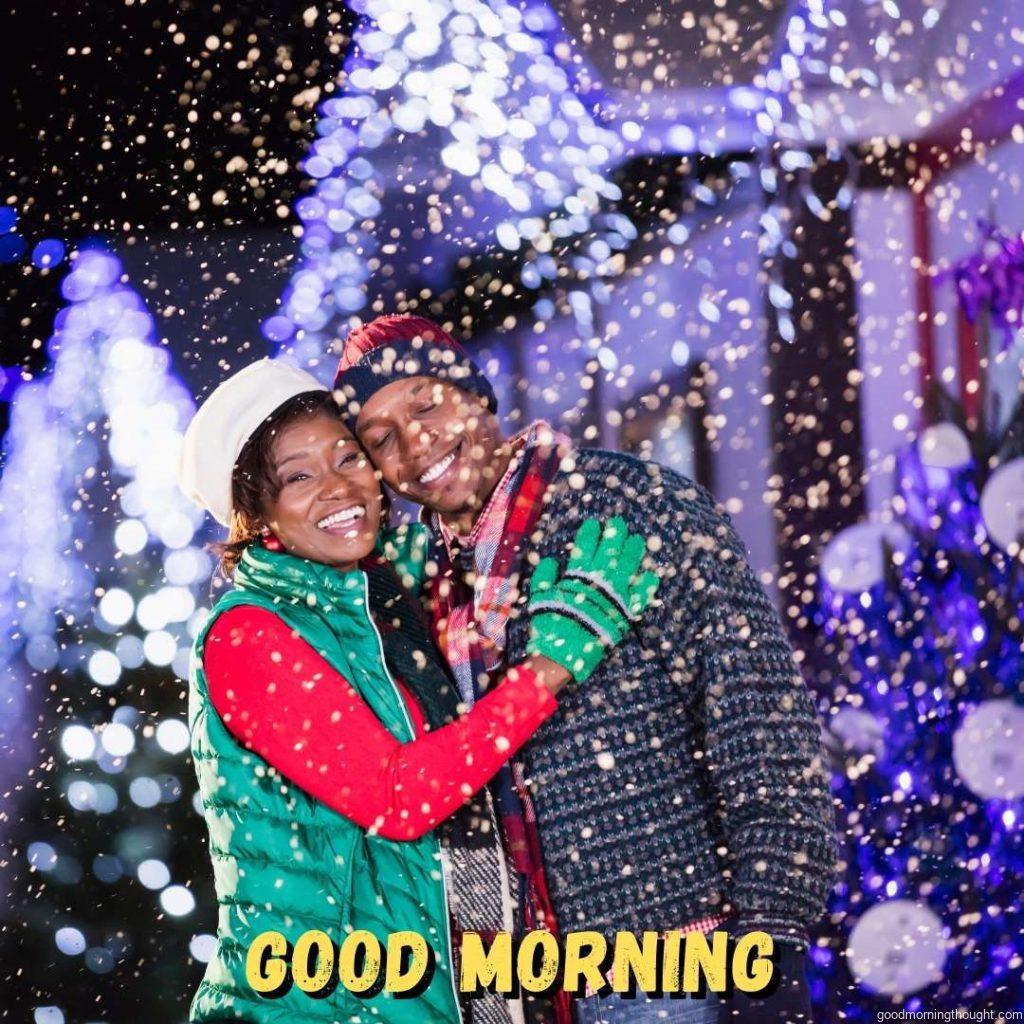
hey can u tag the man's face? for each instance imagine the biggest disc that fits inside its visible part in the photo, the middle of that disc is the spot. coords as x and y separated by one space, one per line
433 443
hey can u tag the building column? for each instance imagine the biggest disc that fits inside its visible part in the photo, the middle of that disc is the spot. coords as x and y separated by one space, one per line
817 477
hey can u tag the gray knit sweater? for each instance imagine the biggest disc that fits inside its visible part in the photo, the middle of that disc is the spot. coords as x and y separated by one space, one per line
685 778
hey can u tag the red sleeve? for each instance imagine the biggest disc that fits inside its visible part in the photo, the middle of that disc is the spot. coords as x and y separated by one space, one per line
276 695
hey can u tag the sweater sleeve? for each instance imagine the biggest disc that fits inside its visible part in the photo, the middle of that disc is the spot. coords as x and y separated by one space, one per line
762 741
276 695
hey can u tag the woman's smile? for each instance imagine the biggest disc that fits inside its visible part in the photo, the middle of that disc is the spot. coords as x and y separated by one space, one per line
339 523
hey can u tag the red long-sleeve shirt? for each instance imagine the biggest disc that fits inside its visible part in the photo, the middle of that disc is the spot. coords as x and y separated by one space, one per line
277 696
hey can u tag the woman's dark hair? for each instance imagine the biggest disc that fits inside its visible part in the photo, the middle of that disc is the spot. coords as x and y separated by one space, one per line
254 478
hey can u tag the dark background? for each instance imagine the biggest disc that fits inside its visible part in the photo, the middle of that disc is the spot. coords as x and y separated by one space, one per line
99 99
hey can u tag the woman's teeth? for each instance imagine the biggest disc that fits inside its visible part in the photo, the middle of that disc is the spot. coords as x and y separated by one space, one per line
437 469
342 518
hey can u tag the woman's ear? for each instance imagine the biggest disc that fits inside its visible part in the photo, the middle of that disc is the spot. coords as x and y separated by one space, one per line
271 543
269 539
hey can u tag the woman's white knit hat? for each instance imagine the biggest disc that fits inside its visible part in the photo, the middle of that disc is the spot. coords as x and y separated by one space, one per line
225 421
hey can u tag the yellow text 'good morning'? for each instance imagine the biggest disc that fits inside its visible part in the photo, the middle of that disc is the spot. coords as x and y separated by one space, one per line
651 963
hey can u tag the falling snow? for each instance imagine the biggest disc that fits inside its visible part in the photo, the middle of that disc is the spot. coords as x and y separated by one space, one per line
773 246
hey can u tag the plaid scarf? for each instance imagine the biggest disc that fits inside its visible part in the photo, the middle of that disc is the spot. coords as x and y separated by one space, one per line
469 625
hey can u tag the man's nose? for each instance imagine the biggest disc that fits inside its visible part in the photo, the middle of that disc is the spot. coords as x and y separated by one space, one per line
416 441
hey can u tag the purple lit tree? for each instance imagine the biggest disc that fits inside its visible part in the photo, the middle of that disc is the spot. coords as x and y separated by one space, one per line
926 732
101 565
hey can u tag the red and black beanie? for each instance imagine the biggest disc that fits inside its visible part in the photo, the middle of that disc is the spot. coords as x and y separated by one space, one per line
392 347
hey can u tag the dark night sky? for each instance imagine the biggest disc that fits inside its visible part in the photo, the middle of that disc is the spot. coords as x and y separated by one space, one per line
132 119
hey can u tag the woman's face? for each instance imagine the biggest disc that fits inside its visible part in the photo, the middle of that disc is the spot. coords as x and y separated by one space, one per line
328 504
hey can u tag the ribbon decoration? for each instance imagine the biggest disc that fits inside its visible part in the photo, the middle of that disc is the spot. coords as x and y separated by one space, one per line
992 277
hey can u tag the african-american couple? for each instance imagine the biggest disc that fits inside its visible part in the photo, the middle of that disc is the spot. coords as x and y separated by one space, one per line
560 700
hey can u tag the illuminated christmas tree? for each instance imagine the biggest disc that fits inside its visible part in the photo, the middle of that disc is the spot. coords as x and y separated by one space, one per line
102 565
474 124
926 734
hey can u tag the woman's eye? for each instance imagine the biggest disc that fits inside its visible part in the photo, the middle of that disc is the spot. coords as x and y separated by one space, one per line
348 459
296 477
426 408
382 440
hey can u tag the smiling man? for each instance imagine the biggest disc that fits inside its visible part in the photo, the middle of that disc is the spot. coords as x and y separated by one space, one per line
683 788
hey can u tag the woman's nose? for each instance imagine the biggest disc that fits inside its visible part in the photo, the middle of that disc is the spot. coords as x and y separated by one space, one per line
336 485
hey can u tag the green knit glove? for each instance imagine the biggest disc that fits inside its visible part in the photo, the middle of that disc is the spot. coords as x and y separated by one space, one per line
578 615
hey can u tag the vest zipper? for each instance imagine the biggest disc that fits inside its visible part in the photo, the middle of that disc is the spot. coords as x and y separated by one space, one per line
412 733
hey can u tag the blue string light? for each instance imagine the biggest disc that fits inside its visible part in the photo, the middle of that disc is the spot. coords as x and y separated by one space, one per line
480 84
48 253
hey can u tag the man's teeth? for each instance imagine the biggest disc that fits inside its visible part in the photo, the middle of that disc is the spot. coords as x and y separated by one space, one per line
346 515
437 469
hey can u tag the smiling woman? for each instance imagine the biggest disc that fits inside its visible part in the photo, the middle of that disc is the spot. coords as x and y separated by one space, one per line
303 477
324 502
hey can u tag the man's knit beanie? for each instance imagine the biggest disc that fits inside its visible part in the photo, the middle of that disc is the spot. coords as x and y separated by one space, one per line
393 347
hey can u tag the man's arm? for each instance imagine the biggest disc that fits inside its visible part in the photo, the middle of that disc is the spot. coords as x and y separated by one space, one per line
762 745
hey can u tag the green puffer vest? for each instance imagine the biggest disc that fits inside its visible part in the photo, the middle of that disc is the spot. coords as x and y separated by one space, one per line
286 862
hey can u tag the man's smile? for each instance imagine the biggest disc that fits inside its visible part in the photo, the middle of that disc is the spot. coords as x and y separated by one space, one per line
438 471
